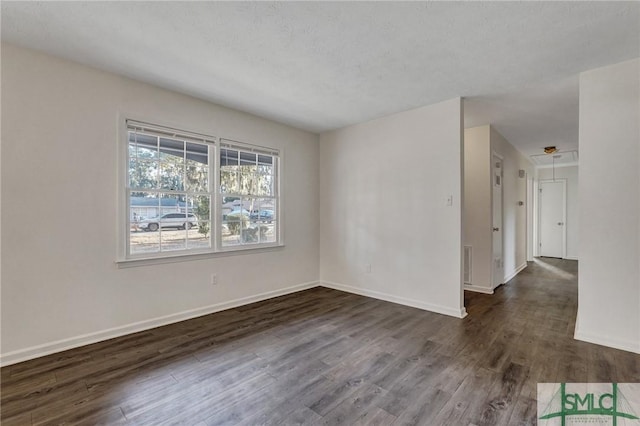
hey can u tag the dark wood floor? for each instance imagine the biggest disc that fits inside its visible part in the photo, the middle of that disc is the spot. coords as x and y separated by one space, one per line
326 357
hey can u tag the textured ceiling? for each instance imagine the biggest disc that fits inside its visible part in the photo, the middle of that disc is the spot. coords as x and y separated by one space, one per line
531 118
324 65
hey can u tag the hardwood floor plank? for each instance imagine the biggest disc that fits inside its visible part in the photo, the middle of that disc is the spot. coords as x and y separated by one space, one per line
290 400
348 379
300 416
21 419
501 399
42 397
90 414
197 402
525 413
321 356
378 418
424 408
25 387
468 399
403 394
359 408
627 366
406 360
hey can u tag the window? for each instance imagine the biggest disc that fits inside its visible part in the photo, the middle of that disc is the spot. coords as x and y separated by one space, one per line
248 201
172 205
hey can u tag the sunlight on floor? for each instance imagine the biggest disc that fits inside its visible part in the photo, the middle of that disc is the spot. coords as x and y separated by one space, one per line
553 269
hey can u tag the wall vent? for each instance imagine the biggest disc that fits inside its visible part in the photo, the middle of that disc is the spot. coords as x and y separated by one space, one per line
467 264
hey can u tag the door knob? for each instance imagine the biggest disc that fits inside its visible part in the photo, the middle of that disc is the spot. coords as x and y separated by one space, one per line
496 229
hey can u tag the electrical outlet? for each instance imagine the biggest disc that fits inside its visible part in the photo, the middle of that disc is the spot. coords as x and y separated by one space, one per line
367 268
214 279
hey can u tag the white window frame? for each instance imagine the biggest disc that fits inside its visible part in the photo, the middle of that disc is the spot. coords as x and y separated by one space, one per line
124 256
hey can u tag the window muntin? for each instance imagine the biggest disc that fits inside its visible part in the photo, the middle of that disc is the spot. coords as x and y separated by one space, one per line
172 204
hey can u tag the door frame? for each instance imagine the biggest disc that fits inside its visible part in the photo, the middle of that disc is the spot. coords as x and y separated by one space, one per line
493 278
564 213
530 216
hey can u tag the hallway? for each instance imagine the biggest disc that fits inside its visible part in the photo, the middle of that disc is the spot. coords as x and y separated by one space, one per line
533 317
538 309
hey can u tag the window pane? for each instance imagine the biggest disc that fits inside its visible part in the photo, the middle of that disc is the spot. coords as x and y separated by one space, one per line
248 180
173 239
264 185
143 146
251 233
199 236
197 152
265 159
263 211
197 176
170 148
228 160
198 206
147 152
248 159
233 222
229 204
268 232
230 233
265 164
229 182
265 170
141 242
143 174
173 203
172 164
172 174
143 205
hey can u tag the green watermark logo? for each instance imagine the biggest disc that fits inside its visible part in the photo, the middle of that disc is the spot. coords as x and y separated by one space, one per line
588 403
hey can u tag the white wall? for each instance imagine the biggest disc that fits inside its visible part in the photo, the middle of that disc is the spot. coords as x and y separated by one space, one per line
480 143
477 218
60 285
570 173
609 197
514 216
383 191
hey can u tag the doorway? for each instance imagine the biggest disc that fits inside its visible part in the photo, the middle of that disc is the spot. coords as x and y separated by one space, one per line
552 218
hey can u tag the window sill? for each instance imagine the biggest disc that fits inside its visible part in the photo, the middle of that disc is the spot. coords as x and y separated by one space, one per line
186 257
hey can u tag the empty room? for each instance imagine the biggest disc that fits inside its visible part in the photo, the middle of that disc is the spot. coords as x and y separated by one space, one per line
347 213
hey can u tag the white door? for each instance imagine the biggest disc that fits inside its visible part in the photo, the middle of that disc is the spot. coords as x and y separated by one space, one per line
498 263
552 204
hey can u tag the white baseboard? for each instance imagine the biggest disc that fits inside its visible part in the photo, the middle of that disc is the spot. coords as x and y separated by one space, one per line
478 289
516 272
571 258
87 339
625 345
458 313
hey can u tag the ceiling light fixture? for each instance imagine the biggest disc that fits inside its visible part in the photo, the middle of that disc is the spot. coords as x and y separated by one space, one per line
550 149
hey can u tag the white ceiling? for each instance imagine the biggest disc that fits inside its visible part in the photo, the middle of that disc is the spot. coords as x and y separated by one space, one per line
325 65
532 117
